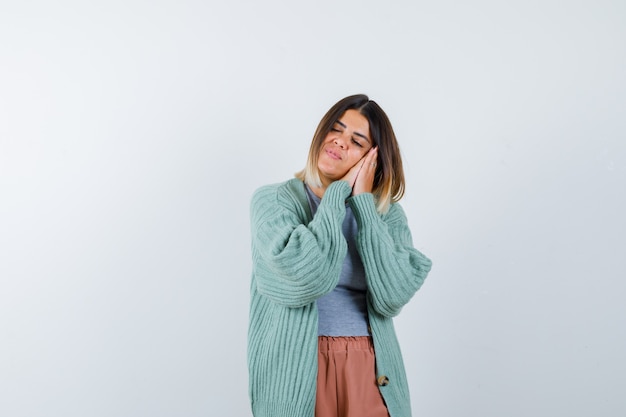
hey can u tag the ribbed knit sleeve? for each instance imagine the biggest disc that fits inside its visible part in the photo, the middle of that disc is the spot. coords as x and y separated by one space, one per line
394 269
294 262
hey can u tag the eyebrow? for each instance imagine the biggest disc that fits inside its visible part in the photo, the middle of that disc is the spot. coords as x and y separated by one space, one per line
356 133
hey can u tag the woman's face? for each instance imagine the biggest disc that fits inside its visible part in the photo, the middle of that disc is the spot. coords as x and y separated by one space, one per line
346 143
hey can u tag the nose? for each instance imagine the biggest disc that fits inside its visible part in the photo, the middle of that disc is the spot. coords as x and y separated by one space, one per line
340 141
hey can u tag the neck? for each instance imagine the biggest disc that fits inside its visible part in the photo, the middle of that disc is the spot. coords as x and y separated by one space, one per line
318 191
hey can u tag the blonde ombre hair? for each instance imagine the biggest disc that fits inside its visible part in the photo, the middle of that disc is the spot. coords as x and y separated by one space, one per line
389 177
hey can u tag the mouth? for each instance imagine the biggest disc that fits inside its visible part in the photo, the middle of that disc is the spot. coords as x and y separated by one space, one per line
333 154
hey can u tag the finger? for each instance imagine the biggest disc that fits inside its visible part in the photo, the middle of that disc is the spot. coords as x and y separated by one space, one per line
372 157
353 173
361 164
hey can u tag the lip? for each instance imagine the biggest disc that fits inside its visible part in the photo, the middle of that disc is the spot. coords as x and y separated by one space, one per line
333 154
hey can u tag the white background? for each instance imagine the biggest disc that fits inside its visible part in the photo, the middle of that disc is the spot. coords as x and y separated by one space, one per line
133 133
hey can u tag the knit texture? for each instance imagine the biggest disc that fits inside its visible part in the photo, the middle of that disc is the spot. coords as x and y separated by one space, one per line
297 258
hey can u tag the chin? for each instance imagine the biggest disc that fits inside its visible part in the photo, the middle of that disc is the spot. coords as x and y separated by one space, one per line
330 176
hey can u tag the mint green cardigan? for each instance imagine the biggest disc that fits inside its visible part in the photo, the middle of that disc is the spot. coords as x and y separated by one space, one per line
296 259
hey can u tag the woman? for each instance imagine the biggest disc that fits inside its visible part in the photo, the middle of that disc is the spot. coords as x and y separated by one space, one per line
333 262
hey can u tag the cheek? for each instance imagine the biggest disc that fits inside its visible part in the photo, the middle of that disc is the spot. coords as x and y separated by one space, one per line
356 155
324 144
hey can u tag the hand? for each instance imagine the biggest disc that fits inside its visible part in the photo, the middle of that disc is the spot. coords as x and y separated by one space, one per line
352 174
365 176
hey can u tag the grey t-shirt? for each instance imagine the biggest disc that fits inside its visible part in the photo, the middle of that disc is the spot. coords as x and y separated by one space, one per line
343 311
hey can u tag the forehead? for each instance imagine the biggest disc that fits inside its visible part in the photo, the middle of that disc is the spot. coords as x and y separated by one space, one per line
354 120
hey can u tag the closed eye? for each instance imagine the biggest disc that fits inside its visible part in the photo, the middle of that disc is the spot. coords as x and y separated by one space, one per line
357 143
